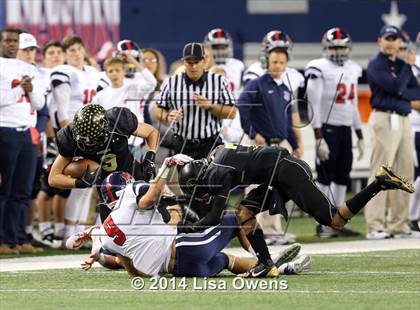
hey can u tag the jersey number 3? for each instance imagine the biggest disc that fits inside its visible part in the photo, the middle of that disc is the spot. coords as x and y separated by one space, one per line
113 231
342 92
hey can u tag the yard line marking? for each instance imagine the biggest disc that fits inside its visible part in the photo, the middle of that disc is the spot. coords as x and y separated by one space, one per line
366 272
230 290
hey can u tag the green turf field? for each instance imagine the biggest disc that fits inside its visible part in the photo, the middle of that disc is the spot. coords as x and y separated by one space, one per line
377 280
302 227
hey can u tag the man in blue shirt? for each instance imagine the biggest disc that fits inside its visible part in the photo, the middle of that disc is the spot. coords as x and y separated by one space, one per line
264 105
394 91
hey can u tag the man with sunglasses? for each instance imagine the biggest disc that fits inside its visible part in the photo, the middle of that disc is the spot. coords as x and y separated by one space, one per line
394 92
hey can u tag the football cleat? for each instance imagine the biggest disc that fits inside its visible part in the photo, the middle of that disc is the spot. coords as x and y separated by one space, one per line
287 254
260 270
389 180
77 240
301 264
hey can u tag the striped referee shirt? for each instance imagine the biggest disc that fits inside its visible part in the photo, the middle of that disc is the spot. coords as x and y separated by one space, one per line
177 93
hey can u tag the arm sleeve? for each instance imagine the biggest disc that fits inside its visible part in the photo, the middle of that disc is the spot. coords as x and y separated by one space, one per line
125 120
226 96
61 97
65 143
245 101
164 99
314 91
413 90
42 119
37 97
381 75
357 124
146 81
291 136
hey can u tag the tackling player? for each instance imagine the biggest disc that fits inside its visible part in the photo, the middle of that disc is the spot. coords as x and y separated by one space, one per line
282 177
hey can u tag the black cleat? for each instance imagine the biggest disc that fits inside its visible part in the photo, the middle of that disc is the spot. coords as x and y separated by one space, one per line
261 270
389 180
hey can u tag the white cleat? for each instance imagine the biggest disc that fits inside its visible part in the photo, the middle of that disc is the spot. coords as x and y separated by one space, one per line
301 264
287 254
77 240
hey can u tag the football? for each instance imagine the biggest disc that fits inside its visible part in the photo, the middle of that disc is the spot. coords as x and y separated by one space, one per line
75 169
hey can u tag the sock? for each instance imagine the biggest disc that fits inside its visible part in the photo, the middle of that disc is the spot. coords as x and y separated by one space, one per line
59 229
69 230
80 228
325 189
251 250
338 193
256 238
358 201
44 227
29 229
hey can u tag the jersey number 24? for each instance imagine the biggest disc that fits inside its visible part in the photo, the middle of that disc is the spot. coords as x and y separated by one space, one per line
343 92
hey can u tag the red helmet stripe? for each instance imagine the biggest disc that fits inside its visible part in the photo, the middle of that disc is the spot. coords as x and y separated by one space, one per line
129 45
108 189
339 33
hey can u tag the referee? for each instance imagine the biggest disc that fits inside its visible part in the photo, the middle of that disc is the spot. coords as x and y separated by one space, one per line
195 102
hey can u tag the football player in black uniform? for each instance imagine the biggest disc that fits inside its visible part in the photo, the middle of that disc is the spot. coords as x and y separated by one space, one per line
102 136
281 177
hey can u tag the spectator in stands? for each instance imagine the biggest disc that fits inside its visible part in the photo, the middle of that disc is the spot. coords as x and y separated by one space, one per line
49 197
394 88
154 61
27 53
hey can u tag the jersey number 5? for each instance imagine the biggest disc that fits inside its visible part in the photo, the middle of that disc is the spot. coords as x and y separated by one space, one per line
113 231
342 92
88 95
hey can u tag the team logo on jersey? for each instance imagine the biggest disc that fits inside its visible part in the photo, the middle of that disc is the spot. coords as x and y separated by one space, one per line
286 95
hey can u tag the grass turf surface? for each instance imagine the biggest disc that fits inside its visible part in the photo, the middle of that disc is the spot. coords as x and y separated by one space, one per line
377 280
302 227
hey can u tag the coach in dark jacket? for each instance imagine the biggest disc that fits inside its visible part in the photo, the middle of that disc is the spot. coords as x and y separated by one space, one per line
394 89
264 106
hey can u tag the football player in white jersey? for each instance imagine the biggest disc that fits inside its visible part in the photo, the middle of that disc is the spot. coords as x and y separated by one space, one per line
332 93
73 86
414 211
145 238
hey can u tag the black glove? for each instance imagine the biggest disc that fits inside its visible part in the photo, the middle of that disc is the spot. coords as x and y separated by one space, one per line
149 171
88 178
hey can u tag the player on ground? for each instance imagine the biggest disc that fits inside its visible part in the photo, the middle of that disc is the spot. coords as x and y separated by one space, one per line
332 92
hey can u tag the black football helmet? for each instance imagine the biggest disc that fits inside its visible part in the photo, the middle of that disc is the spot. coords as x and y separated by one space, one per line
274 39
220 42
191 178
90 128
337 45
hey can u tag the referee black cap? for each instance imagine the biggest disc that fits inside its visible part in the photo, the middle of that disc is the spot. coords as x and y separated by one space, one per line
193 51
